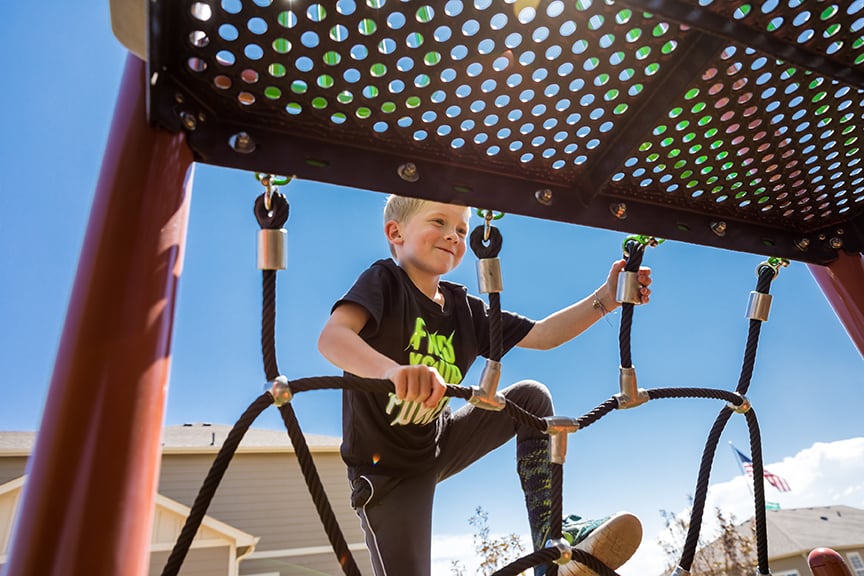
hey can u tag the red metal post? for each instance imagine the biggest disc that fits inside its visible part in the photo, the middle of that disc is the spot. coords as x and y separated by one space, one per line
842 282
827 562
88 501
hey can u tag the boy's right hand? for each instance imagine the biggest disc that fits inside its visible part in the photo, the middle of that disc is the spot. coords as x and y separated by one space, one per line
418 383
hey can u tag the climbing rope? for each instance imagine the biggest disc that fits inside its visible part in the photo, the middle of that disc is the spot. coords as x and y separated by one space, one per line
271 210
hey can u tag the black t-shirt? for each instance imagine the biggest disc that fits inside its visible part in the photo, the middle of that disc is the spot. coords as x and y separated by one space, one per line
382 434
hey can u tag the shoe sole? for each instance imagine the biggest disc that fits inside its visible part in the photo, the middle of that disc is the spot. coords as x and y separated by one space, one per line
613 543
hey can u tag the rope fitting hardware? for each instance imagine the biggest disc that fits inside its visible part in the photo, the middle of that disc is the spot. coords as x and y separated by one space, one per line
558 448
560 424
679 571
270 181
628 289
489 275
486 395
774 264
759 306
272 249
643 239
563 547
488 216
558 427
281 391
631 395
742 408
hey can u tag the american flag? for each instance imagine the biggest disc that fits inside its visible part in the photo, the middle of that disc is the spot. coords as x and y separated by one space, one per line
775 481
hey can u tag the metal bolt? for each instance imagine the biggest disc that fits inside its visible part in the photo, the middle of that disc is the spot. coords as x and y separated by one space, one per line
408 172
619 210
178 97
719 228
802 244
202 117
836 243
841 231
821 236
189 121
242 143
544 196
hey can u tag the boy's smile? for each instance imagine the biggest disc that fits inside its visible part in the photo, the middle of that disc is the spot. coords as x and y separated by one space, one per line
430 242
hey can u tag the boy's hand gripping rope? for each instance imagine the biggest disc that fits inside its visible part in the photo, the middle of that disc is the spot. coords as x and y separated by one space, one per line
628 293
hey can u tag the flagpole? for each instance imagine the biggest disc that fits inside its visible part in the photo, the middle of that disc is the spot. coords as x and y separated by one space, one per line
741 467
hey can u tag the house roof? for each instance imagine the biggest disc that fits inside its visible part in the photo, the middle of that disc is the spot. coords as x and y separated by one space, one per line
194 438
800 530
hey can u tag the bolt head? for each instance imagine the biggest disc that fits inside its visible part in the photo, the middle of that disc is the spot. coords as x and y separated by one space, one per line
408 172
241 142
619 210
544 196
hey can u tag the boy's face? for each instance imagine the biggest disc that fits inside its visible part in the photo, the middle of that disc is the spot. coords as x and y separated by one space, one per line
432 240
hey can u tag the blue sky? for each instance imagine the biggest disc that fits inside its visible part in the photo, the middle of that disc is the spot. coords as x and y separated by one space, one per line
63 71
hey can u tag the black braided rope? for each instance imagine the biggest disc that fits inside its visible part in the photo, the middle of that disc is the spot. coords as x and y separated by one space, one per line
758 491
765 275
634 252
275 218
483 251
528 562
598 412
479 245
763 285
692 540
663 393
557 508
211 483
316 489
268 325
496 335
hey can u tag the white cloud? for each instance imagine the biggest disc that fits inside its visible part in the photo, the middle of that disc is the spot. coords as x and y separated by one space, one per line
823 475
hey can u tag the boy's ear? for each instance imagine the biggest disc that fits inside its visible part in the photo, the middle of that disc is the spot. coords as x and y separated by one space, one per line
392 231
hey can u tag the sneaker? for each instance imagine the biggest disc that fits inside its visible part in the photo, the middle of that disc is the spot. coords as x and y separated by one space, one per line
612 540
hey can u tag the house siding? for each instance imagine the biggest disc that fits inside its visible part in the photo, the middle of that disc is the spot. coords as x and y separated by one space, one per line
200 562
265 494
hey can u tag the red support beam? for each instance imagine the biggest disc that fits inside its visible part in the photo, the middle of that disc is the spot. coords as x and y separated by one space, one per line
88 501
842 282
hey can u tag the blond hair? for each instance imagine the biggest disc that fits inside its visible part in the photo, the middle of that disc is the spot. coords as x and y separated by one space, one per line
400 208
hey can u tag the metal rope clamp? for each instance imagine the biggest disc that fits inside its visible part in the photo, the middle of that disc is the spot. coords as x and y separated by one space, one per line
557 427
742 408
489 275
679 571
281 391
272 249
628 289
563 547
759 306
486 395
631 395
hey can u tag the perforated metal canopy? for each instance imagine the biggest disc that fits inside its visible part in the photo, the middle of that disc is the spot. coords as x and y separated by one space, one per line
716 122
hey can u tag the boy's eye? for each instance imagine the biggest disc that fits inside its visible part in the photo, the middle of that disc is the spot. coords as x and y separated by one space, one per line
438 221
462 231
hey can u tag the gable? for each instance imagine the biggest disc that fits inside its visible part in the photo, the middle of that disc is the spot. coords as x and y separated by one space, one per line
169 517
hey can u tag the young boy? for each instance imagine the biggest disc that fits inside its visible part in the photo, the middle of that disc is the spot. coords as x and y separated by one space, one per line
400 321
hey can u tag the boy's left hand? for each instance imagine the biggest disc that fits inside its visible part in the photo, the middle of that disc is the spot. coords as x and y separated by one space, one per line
643 276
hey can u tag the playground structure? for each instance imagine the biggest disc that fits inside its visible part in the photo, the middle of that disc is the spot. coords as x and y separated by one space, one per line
100 441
